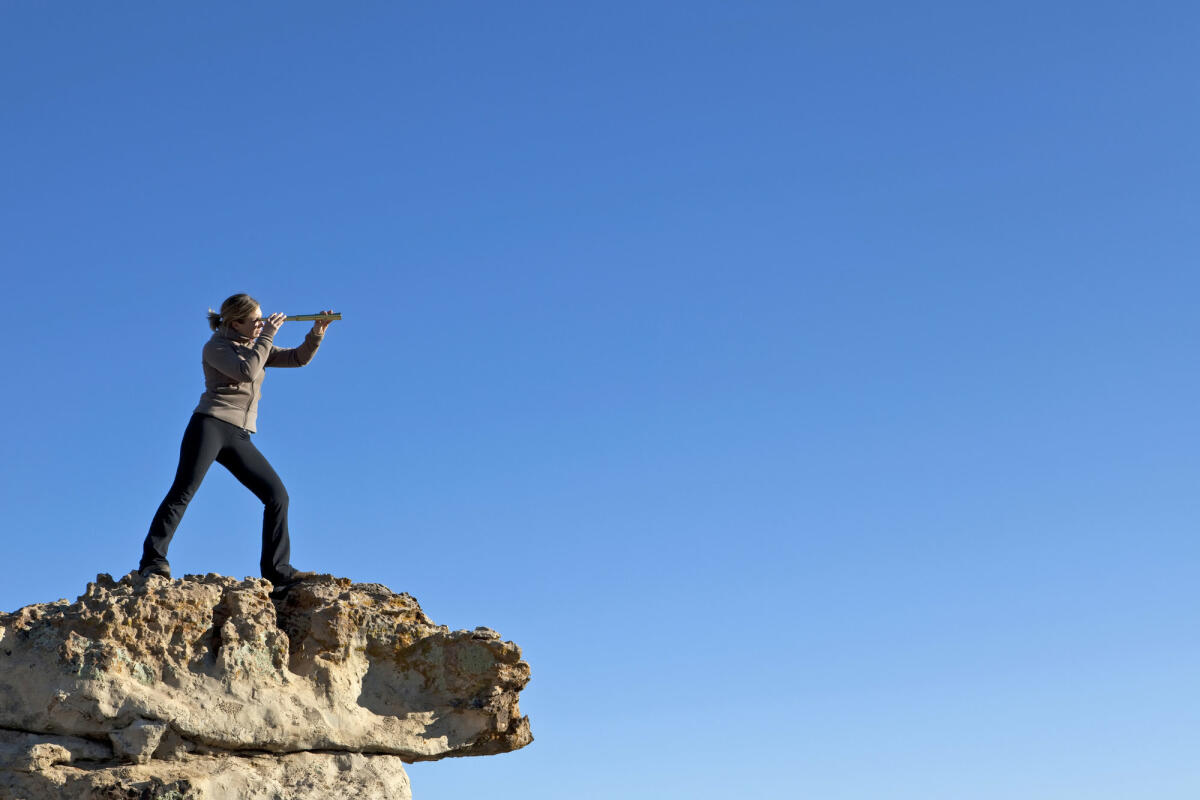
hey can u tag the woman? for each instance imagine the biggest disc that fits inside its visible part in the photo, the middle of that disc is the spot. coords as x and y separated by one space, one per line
234 360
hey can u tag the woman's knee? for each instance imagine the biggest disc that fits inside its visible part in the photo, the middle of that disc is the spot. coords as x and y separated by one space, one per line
278 497
181 494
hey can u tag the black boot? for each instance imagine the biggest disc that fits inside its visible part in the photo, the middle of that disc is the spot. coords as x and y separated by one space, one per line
160 568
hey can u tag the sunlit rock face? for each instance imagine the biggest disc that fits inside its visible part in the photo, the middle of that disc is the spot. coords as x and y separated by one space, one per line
208 687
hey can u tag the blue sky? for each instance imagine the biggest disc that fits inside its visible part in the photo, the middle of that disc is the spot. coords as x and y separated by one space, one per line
808 388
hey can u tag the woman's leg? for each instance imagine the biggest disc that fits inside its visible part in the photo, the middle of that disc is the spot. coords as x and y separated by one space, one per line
202 441
253 471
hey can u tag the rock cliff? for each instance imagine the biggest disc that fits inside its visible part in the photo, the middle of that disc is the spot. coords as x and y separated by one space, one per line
207 687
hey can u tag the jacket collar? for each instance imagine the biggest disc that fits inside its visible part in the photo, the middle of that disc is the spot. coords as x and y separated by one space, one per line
228 332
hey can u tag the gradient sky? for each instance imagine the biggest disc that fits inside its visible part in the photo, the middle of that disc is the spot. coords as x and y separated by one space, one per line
808 388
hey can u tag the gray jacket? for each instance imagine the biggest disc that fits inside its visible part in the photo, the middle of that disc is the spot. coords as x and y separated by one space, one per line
234 368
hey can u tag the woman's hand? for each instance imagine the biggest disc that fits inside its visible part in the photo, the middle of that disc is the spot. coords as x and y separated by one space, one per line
319 325
273 323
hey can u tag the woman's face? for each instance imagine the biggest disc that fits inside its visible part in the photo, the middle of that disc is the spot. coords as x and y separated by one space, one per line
250 326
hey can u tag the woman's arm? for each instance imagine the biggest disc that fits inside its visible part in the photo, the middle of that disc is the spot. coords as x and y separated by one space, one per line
299 356
295 356
223 356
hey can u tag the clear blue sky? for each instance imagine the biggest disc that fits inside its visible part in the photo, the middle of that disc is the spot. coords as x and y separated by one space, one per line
809 388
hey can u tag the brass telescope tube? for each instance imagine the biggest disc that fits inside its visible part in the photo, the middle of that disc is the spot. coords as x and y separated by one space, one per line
311 317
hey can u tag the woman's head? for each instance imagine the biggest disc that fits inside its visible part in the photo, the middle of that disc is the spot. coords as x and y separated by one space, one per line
240 312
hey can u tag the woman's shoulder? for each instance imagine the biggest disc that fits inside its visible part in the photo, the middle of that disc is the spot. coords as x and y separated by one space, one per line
219 343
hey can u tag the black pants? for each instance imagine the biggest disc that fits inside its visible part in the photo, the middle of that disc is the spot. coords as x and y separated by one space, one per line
209 439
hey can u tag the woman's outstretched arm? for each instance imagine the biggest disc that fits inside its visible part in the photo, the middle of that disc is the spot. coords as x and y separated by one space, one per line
299 356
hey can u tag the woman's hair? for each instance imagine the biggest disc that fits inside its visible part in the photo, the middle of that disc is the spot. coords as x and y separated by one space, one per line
239 306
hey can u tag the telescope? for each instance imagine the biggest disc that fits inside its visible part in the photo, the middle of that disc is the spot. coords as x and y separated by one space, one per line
311 317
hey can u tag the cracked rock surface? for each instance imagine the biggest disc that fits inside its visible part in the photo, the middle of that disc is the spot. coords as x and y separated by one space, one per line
206 687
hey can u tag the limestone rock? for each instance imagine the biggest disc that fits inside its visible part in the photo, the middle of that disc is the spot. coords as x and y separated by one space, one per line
294 776
138 742
207 687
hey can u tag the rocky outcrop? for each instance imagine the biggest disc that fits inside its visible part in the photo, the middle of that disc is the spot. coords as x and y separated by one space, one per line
208 687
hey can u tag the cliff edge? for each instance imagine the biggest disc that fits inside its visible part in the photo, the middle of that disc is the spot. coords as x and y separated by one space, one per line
206 687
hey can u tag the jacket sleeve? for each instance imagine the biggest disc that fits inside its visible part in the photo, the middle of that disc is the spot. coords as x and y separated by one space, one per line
295 356
223 356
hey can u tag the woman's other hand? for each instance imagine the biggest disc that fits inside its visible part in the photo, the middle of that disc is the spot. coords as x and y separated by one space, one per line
319 325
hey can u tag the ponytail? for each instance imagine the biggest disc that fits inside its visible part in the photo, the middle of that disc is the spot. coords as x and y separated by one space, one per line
214 319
